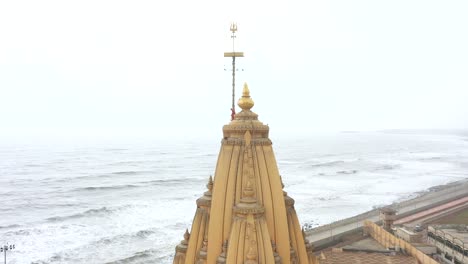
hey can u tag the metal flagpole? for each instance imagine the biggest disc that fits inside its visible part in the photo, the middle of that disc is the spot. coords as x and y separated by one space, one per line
233 54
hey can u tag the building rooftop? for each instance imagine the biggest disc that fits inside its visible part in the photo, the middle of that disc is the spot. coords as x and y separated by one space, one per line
375 245
366 244
460 232
346 257
366 250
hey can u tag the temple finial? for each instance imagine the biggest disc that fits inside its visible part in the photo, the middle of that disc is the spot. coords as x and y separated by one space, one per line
209 185
246 91
245 102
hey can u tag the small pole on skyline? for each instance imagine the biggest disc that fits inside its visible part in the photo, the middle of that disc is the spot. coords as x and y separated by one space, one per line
5 248
233 54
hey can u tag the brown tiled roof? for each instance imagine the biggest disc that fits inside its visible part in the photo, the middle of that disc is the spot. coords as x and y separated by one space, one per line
364 258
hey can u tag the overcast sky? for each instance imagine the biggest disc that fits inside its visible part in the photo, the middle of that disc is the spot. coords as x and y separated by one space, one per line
158 66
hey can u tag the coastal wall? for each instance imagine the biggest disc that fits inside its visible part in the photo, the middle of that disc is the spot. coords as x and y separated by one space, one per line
329 233
431 199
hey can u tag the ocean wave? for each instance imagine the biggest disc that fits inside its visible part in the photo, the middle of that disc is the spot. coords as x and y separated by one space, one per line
288 162
25 232
173 181
10 226
327 164
330 198
95 176
347 172
141 184
130 172
146 256
98 176
388 167
103 211
68 179
435 158
129 162
115 149
103 188
124 237
34 165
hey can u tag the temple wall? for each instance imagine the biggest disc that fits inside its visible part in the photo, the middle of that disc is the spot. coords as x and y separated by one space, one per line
390 241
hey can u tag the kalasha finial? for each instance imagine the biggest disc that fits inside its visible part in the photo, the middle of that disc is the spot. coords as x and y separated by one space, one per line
245 102
186 235
210 184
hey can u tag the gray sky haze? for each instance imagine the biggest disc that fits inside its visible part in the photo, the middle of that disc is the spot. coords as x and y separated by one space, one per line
157 67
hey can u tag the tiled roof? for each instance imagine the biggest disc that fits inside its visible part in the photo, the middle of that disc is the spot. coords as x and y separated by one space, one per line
364 258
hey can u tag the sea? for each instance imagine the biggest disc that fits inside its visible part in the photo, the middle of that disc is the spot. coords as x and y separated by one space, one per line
130 201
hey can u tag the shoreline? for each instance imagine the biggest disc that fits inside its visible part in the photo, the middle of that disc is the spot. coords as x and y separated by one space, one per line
431 197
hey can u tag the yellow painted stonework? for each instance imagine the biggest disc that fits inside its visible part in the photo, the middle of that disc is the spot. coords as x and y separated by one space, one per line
245 216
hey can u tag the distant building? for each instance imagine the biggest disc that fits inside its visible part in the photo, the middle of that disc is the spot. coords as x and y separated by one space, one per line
451 240
388 216
409 235
376 246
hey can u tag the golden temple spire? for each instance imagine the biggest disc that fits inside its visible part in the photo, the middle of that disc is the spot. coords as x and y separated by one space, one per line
245 216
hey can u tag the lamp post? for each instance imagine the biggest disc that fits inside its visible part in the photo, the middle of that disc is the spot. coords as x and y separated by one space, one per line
5 248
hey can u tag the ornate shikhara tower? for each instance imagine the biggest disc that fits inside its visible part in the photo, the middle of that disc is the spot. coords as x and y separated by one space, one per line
245 216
